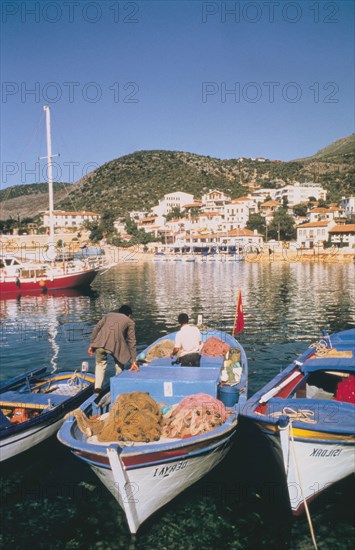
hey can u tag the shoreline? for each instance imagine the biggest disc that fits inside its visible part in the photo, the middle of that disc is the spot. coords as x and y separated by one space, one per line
35 244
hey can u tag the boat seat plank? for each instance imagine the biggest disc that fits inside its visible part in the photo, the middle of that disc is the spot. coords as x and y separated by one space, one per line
328 363
15 397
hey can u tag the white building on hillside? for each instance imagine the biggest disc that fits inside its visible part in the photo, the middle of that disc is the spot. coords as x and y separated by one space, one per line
320 214
348 205
237 213
259 195
172 200
70 219
300 192
206 221
214 201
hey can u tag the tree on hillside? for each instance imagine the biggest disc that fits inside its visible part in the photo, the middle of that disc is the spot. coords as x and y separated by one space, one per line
256 221
131 226
322 203
300 209
174 213
282 226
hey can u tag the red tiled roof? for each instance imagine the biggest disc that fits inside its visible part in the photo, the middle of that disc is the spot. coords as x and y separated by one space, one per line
270 203
323 223
349 228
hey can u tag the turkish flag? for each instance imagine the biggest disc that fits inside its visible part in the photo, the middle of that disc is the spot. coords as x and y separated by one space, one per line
239 315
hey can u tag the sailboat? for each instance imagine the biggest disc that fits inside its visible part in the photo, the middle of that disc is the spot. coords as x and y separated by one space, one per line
17 277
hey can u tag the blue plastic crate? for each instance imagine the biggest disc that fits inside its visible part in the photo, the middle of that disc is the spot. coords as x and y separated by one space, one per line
167 384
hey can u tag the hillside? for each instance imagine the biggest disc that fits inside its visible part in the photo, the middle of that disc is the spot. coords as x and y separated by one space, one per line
28 200
139 180
341 148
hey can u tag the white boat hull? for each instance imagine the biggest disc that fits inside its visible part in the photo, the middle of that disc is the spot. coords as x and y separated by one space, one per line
312 466
23 441
143 490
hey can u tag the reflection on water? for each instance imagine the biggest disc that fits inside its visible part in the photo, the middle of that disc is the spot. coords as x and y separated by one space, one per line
285 304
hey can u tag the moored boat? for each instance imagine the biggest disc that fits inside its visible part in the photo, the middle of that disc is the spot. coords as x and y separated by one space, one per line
308 413
57 271
145 475
17 277
33 406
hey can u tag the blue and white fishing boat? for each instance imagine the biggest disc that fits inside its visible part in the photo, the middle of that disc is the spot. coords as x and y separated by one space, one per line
308 412
144 476
33 406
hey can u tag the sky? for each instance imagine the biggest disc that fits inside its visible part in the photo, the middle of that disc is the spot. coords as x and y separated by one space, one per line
271 78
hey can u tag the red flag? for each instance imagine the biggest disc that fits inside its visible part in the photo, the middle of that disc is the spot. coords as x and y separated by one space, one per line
239 315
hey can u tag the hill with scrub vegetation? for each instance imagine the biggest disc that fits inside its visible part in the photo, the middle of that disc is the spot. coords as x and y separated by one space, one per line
137 181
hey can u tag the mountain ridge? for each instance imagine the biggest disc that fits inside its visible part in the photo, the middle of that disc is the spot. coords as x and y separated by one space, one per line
138 180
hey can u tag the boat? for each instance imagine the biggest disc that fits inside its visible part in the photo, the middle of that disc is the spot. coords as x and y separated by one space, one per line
144 476
158 257
55 272
33 406
308 414
17 277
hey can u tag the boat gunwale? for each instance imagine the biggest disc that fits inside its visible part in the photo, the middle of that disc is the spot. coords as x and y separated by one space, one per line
48 416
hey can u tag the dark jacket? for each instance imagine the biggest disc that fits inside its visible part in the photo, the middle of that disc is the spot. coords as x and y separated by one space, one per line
115 333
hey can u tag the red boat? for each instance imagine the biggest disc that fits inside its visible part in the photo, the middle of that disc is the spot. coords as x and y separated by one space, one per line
17 277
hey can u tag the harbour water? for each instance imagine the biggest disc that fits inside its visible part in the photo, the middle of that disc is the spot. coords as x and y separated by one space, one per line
52 500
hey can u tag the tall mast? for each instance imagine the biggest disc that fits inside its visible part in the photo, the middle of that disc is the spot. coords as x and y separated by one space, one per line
50 178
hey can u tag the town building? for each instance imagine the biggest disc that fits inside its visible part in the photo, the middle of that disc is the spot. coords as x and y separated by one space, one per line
348 205
313 233
331 213
214 201
300 192
343 235
178 199
69 220
237 213
268 209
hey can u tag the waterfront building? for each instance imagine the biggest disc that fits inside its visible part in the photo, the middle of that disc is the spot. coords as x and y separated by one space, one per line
69 220
343 235
313 233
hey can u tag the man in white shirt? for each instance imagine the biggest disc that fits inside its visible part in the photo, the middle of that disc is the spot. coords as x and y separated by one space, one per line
188 342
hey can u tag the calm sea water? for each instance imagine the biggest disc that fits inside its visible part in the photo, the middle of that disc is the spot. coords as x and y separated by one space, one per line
53 500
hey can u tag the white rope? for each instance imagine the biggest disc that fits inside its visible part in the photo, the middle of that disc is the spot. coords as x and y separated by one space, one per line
301 415
321 348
